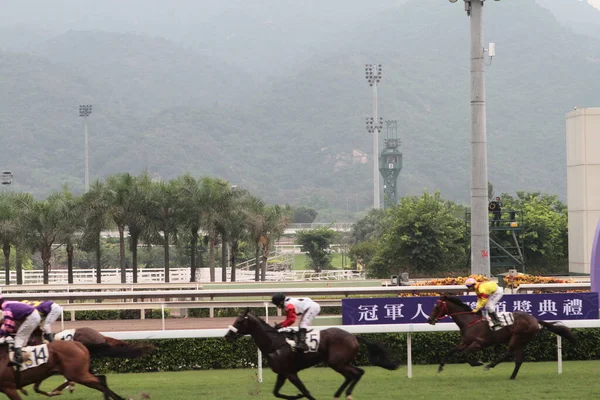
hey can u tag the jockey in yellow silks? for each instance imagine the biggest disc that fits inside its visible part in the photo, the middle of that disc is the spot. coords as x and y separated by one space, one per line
488 295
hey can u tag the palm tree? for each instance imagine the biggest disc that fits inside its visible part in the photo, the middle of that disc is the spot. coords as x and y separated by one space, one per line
118 193
43 223
276 219
215 194
236 225
8 231
136 216
95 219
71 226
162 217
189 199
256 225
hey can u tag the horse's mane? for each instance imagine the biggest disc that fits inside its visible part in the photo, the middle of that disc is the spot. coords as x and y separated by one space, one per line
265 324
458 302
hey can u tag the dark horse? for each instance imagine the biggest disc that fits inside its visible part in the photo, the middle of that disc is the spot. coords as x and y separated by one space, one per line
476 333
98 345
70 359
337 349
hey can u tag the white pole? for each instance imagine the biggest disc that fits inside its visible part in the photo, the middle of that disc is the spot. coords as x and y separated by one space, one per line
62 319
87 165
162 309
376 204
559 353
480 235
409 354
260 372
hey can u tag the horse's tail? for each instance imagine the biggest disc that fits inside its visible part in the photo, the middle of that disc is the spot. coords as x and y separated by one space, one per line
124 350
379 355
559 329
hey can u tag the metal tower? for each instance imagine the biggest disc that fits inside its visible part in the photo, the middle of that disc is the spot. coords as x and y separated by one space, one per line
390 164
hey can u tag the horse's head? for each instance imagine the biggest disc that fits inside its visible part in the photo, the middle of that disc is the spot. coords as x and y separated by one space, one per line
241 326
440 310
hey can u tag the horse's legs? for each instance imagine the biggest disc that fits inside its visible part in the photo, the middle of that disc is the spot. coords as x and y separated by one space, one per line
458 348
360 373
11 393
503 358
298 383
62 387
97 383
278 384
351 373
36 388
519 357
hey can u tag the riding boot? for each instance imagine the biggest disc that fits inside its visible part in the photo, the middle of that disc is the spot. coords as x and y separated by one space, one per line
495 319
301 340
49 337
18 356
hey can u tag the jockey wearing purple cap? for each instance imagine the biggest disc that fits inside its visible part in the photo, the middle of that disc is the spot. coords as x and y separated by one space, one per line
14 312
49 311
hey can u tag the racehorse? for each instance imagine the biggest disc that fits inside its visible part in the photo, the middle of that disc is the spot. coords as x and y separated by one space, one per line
476 333
97 344
70 359
337 348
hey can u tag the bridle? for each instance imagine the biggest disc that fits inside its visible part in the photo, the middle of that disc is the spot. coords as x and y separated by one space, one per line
444 312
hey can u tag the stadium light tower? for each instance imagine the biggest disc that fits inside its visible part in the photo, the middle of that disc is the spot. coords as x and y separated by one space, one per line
85 111
480 234
373 73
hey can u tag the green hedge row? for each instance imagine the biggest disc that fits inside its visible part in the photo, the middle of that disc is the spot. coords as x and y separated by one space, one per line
260 311
428 348
106 315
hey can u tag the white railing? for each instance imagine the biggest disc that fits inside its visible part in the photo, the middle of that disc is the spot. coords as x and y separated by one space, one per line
409 329
181 275
262 292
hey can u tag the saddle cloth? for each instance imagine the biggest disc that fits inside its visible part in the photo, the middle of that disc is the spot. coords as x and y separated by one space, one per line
313 339
33 356
506 319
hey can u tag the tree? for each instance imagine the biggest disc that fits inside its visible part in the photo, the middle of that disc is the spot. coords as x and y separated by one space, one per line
236 224
136 216
189 199
71 223
370 227
424 235
545 226
316 243
8 230
118 188
162 217
304 215
95 216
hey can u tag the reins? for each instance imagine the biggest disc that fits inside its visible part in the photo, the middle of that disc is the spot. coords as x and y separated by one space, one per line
445 313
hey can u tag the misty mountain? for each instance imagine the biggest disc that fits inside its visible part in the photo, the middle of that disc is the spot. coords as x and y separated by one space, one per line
297 136
578 15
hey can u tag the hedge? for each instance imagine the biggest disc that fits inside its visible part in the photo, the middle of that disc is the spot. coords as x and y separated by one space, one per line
109 315
428 348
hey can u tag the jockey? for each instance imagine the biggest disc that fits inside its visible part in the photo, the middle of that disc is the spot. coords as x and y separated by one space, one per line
15 312
488 294
292 306
49 311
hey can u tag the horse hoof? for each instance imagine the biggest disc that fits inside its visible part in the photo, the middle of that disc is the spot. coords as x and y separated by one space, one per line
349 397
487 368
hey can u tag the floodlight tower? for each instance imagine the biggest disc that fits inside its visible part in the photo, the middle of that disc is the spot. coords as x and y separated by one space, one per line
480 234
85 111
373 73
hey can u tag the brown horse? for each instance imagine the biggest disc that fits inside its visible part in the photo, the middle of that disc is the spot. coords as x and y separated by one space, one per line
476 333
97 344
336 348
70 359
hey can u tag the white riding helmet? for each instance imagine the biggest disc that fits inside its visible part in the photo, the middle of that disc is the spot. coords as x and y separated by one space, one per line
470 282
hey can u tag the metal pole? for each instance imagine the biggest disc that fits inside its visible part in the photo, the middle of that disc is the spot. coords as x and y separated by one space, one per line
376 204
480 236
87 171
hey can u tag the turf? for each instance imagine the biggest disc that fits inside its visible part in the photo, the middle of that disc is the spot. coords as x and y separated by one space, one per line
537 381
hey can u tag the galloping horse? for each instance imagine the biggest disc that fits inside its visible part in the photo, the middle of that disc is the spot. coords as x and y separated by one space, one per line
336 348
97 344
70 359
476 333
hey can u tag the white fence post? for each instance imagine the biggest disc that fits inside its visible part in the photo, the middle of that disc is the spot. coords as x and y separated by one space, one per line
409 354
162 310
559 353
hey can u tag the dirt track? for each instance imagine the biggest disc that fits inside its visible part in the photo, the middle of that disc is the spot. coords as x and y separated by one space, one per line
154 324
